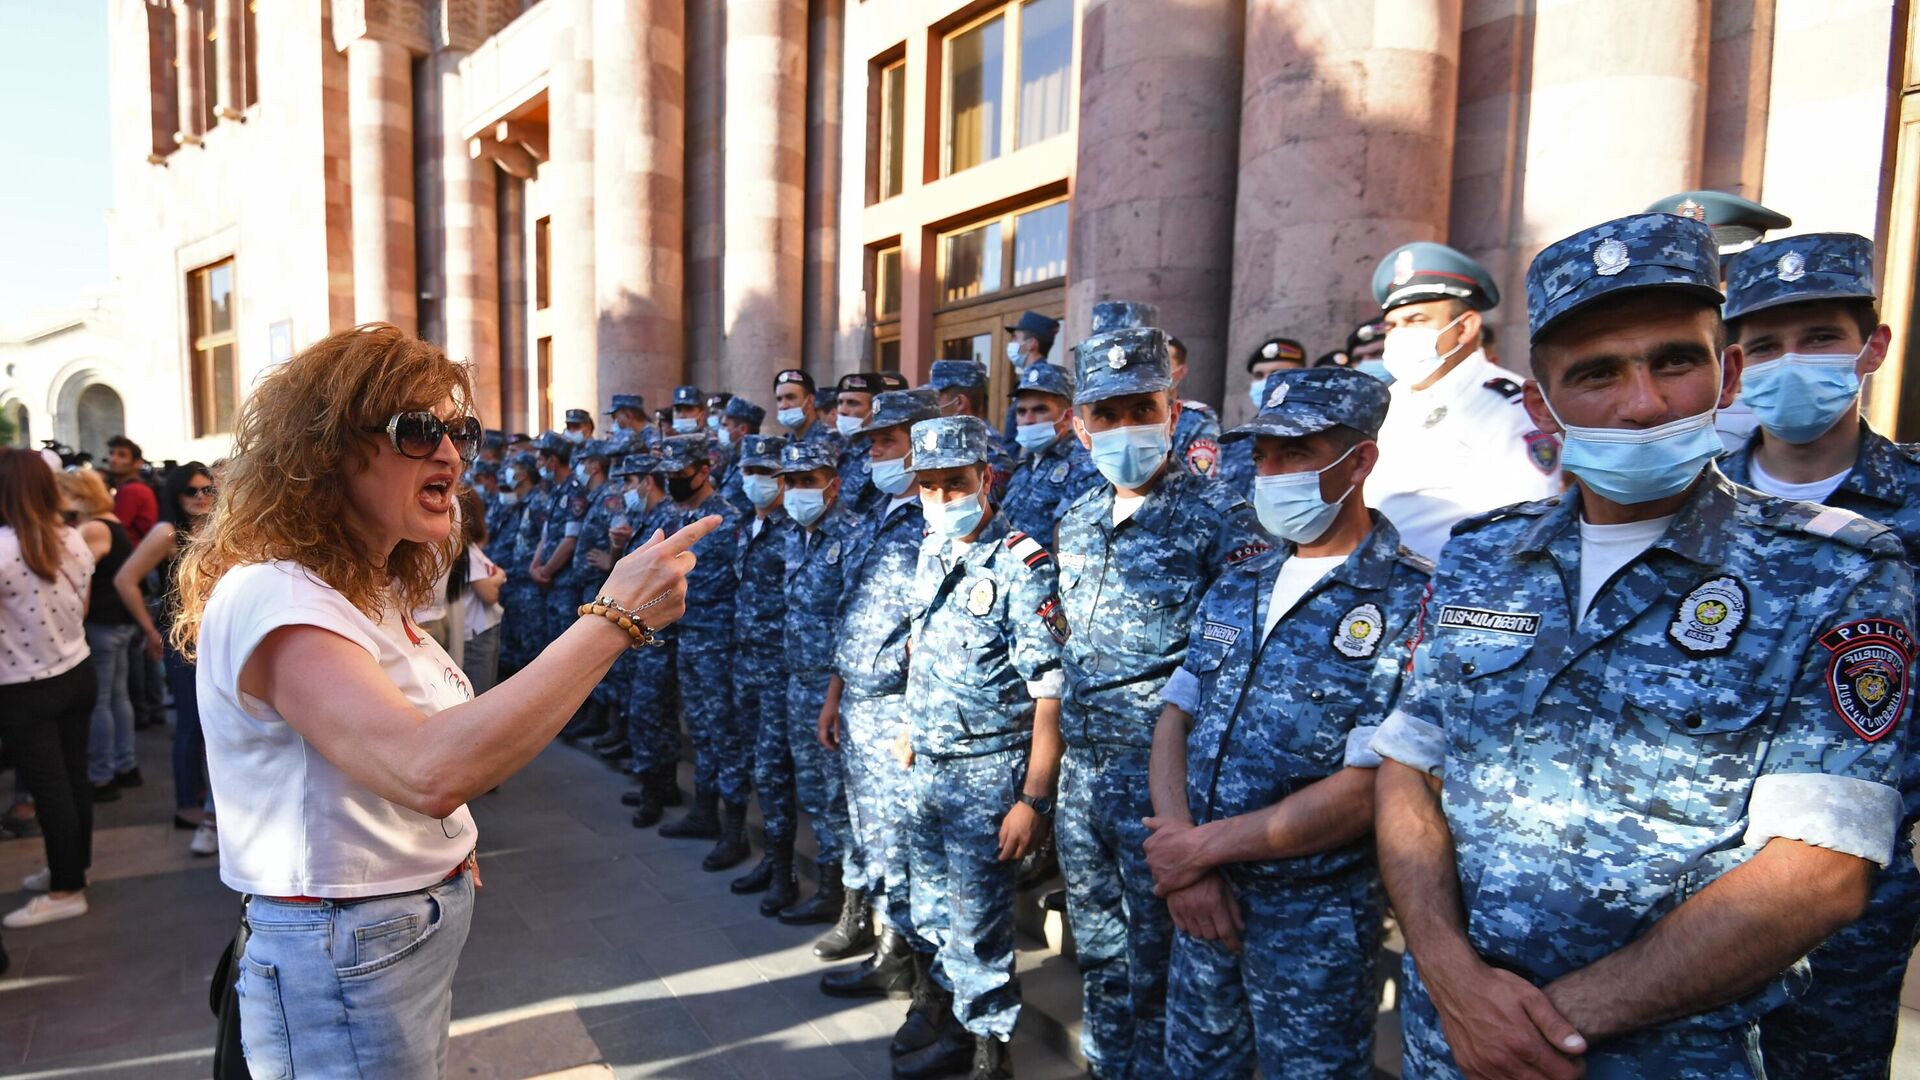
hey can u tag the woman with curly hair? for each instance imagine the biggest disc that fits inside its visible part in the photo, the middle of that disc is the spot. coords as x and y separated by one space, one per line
342 742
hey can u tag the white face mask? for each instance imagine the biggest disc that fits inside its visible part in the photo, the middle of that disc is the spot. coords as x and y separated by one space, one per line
891 477
806 505
1413 352
1013 353
847 425
761 490
791 418
685 425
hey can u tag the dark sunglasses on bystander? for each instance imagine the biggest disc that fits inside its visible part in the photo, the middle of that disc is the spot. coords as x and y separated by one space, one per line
417 434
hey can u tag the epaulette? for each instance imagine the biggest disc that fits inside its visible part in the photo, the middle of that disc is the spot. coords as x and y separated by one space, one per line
1195 406
1828 523
1505 387
1222 498
1536 508
1414 559
1027 549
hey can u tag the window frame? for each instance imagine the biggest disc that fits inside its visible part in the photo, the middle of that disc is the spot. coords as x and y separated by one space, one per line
202 340
1013 14
1009 229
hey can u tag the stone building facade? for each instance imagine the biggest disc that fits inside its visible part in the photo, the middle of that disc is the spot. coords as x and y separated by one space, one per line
591 196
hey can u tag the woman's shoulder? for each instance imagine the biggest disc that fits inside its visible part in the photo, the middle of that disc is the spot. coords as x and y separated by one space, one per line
280 582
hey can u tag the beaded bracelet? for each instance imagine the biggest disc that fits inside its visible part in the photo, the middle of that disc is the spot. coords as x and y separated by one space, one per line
625 618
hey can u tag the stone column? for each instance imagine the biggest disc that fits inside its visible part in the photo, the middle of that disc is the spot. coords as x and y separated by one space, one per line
766 64
820 293
510 206
639 192
1346 147
380 128
189 43
470 303
230 55
1153 195
572 312
706 237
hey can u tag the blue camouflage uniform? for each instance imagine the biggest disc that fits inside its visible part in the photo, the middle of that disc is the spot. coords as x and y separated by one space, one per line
759 634
1041 327
530 548
986 646
856 484
815 579
1272 713
1741 679
646 436
577 576
1129 592
1046 482
652 696
739 408
609 509
870 655
971 376
1844 1025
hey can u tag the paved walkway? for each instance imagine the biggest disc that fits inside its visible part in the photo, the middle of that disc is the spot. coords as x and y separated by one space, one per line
597 950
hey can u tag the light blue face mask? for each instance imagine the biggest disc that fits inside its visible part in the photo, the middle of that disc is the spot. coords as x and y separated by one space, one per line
891 477
546 474
1129 456
580 472
958 518
508 498
685 425
760 490
724 436
806 505
1636 465
1290 507
713 423
1254 393
1800 396
636 502
791 418
1377 369
1035 438
847 425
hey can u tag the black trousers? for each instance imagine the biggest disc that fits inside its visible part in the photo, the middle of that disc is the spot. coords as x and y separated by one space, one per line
44 727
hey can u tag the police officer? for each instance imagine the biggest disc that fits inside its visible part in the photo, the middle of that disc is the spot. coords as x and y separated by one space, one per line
961 386
985 742
1196 430
517 475
493 446
604 533
1458 441
796 410
648 692
579 426
629 414
866 706
1262 770
738 420
1136 555
1054 468
760 676
1271 355
545 523
525 622
1029 342
569 575
1802 310
815 581
690 415
853 403
1367 343
1648 755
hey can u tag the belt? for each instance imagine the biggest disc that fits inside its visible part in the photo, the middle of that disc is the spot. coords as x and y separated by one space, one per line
469 862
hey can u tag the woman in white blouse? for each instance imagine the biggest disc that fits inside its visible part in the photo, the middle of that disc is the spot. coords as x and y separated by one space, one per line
47 688
342 742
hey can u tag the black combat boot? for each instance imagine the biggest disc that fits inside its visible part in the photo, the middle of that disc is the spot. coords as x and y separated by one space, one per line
651 805
887 973
949 1053
929 1015
852 934
783 888
700 823
731 849
756 879
669 777
823 906
992 1059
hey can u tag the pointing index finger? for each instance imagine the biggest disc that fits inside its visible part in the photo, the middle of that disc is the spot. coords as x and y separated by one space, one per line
689 535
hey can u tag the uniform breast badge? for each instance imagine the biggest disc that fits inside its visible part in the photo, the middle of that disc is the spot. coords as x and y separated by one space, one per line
1710 617
1358 636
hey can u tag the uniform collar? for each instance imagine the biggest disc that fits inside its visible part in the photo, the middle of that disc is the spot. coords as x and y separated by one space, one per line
1368 566
990 537
1877 470
1698 533
1151 508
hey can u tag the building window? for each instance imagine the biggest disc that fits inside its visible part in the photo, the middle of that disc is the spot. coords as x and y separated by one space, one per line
970 263
893 129
163 82
543 351
214 373
542 239
886 308
1026 248
1040 245
981 85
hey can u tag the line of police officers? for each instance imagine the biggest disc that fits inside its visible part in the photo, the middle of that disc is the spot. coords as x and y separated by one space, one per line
1612 719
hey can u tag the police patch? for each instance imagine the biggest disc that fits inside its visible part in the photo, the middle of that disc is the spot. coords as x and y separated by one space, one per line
1220 632
1248 551
1055 618
1517 623
1202 456
980 598
833 554
612 503
1059 474
1073 560
1543 450
1867 674
1359 633
1710 617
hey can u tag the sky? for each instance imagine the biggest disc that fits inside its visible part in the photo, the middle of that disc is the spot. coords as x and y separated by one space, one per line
56 188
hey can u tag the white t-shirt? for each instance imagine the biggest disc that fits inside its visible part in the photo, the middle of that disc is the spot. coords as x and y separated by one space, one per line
1295 577
1125 506
480 616
1816 492
43 623
291 822
1606 548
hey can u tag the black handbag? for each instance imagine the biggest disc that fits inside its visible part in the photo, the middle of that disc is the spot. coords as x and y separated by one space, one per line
223 998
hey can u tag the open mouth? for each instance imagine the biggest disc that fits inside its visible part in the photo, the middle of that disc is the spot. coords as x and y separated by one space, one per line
436 495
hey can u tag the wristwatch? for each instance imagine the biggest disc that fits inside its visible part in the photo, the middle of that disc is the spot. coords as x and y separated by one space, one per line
1042 804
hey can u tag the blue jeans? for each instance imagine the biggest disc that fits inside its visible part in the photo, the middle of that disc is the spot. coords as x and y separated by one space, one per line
352 988
110 738
190 789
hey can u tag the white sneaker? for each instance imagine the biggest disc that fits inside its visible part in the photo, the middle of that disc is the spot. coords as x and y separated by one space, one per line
45 909
38 881
206 840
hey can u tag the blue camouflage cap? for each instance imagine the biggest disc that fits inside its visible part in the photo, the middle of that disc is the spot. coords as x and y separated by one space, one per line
688 395
679 452
957 374
554 443
891 408
799 457
1629 254
493 439
1736 222
1423 270
579 416
525 461
628 401
1129 361
948 442
1301 401
1044 378
637 463
1795 269
762 451
1109 315
600 448
739 408
483 467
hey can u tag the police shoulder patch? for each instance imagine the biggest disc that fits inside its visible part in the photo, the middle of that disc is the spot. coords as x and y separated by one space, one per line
1203 457
1055 618
1867 674
1543 450
1506 388
611 503
1059 474
1224 633
1252 550
577 505
1359 633
1709 618
1027 549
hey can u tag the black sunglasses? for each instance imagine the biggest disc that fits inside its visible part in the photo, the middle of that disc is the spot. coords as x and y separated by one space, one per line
417 434
194 490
